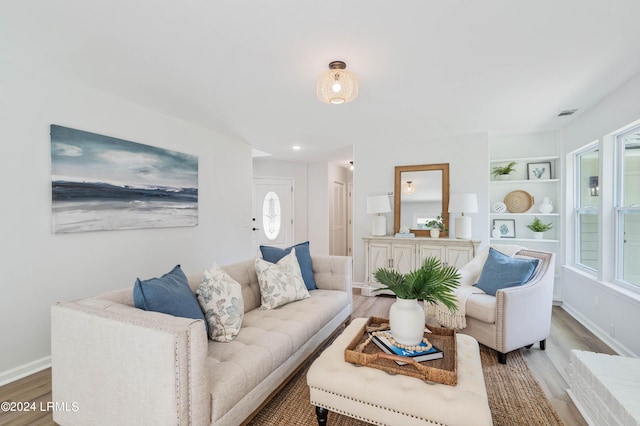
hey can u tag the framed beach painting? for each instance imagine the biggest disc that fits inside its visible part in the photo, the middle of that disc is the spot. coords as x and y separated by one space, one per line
101 183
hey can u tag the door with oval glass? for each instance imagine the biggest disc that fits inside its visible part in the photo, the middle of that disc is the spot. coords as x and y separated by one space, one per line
272 212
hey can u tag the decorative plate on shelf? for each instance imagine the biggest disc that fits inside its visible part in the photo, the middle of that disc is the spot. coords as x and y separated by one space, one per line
518 201
499 207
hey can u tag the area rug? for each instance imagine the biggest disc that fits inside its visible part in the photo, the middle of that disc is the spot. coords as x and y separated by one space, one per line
515 398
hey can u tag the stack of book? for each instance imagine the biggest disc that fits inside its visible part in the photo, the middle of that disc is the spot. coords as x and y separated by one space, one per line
423 355
405 235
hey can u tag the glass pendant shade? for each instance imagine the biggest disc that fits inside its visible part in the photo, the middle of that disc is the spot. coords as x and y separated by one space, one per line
337 85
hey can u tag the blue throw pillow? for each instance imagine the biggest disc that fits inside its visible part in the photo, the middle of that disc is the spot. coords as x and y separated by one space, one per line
274 254
169 294
501 271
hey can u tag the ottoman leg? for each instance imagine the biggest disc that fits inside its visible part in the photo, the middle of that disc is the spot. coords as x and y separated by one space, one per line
322 414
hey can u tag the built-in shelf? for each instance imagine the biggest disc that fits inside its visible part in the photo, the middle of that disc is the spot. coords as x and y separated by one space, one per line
525 159
524 214
524 181
493 240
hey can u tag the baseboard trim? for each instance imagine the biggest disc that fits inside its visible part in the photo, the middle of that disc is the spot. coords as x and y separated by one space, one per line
598 332
25 370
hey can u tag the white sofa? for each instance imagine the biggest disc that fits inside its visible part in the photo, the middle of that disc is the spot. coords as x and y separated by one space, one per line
124 366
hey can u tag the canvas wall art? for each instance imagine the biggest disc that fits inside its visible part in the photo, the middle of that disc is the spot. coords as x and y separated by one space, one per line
102 183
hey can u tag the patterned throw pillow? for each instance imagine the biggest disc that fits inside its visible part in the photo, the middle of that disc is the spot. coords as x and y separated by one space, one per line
220 298
280 283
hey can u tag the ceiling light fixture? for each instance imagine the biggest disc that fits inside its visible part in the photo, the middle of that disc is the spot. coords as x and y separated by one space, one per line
409 188
296 147
337 86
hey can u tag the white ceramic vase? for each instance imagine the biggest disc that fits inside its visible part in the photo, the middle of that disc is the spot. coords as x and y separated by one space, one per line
434 232
406 319
546 206
496 233
538 235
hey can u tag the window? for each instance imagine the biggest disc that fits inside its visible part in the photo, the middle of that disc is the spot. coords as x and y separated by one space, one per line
627 207
586 208
271 215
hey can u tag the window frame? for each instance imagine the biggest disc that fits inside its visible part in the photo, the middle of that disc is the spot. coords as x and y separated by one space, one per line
620 208
579 211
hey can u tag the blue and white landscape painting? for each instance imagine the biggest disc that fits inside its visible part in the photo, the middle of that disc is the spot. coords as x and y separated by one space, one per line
102 183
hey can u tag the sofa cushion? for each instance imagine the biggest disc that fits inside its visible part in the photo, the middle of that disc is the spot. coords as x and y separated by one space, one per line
280 283
481 307
274 254
269 340
220 298
169 294
501 271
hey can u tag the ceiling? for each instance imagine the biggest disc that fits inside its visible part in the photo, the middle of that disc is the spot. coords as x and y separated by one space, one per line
248 68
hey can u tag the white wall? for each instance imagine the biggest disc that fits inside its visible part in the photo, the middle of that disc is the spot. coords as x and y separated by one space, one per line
608 311
40 268
266 167
468 158
318 209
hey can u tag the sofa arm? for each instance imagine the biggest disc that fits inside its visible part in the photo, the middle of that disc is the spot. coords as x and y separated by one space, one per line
120 365
523 313
333 272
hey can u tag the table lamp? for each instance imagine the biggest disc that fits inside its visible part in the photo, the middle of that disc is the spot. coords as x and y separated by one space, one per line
378 204
463 203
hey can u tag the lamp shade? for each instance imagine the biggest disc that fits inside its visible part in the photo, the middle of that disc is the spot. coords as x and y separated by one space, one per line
337 85
378 204
463 203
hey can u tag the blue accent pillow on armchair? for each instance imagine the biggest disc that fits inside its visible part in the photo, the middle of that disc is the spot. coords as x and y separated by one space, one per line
274 254
501 271
169 294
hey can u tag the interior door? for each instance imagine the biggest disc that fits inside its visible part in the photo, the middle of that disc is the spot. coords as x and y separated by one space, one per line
272 212
339 220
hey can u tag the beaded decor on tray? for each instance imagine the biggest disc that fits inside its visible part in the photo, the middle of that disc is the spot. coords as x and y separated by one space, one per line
379 329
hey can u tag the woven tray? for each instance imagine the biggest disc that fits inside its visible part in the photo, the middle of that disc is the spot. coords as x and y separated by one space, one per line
519 201
444 370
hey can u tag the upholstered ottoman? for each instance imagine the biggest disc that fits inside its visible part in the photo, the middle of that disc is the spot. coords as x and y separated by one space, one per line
376 397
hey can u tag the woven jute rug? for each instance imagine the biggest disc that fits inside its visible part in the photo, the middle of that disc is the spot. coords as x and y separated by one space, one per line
515 398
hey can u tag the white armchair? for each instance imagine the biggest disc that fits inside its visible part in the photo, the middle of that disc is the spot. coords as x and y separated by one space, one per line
517 316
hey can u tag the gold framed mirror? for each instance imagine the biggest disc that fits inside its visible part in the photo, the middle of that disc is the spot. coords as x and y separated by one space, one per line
421 193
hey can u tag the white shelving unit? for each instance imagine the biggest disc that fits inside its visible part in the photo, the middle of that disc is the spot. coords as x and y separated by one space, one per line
526 148
538 188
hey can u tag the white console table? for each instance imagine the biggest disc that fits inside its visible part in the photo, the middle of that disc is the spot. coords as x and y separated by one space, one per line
406 254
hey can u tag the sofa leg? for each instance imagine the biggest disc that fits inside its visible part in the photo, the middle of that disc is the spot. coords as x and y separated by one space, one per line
322 414
502 358
529 346
543 344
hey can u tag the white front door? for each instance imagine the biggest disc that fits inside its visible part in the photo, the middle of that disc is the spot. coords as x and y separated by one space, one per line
272 212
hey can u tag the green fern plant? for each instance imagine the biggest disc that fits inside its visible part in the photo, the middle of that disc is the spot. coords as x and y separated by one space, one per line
504 170
432 282
538 226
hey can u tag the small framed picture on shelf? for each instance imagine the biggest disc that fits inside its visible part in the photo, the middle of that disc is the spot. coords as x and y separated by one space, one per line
539 171
507 227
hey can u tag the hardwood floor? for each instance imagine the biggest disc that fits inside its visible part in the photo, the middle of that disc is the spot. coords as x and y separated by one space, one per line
549 367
